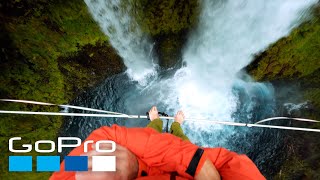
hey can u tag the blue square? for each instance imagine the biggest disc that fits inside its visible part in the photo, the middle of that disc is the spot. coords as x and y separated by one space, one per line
20 163
48 163
76 163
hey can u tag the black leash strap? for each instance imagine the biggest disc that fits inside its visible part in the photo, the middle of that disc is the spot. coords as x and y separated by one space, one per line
165 115
194 162
148 117
160 113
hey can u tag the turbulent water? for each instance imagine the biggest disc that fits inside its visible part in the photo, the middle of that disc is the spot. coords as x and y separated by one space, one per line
211 85
125 36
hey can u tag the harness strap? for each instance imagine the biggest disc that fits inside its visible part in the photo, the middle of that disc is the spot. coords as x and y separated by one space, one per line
194 162
173 176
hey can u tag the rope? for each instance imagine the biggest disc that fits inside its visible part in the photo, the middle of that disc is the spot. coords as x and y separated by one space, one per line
286 118
60 105
111 114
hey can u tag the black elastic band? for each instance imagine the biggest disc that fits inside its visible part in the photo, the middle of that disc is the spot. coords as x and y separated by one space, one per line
160 113
173 176
143 173
194 162
148 117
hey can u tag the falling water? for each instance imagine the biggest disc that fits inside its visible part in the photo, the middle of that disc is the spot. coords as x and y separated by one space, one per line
228 36
211 85
125 36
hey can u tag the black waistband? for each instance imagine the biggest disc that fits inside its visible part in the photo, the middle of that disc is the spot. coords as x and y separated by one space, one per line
194 162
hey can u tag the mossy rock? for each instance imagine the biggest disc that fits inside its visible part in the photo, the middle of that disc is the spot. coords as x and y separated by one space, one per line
295 59
291 57
89 66
51 51
169 49
165 16
167 22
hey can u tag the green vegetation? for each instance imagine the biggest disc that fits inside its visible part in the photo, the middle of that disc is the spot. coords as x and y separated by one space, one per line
168 23
296 59
51 51
165 16
169 50
298 169
89 66
291 57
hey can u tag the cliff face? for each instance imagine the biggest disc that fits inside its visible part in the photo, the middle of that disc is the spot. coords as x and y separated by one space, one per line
168 23
295 58
52 51
293 66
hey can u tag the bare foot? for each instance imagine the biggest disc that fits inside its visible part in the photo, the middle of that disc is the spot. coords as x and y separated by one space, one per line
153 113
179 117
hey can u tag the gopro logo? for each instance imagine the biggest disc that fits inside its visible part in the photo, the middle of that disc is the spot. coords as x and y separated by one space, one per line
52 163
60 145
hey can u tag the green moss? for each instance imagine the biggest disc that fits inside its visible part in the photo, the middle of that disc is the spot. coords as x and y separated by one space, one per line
60 30
296 60
52 51
85 68
169 49
165 16
314 95
303 157
311 90
291 57
30 128
168 23
293 168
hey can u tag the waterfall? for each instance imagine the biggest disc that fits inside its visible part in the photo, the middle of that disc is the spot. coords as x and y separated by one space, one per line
125 36
211 85
228 35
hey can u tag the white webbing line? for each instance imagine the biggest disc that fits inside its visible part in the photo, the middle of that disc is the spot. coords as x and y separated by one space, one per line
119 115
286 118
60 105
162 117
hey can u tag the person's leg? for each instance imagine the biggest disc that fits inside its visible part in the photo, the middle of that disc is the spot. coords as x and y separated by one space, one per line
155 121
176 128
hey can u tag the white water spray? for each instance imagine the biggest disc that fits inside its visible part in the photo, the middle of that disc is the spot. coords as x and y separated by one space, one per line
228 36
125 36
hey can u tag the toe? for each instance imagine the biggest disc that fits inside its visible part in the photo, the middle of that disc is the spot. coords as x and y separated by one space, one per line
152 109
